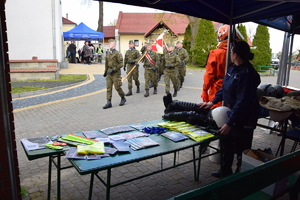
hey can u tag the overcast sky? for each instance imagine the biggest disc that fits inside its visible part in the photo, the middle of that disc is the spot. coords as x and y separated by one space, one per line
89 14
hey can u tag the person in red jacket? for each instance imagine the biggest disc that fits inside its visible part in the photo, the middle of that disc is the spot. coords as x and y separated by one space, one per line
215 67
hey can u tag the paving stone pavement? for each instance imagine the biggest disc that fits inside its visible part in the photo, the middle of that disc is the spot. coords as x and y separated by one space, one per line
85 112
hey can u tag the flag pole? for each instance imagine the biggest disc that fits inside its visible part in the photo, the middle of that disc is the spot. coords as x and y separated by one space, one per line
134 67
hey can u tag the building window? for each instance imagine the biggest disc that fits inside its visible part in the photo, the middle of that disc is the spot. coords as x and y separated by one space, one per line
136 43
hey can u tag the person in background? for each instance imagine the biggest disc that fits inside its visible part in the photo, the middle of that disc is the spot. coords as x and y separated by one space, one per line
131 57
113 65
100 52
87 52
184 58
93 50
72 49
171 61
79 54
151 62
239 94
143 49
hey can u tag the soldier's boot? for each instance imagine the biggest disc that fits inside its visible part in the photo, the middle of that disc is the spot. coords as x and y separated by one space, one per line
155 91
123 100
137 89
108 104
181 85
146 94
175 93
129 92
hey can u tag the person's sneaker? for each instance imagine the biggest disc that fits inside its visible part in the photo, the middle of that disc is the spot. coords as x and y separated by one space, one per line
216 174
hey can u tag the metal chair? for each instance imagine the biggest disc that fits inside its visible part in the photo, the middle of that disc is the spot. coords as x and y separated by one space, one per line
292 134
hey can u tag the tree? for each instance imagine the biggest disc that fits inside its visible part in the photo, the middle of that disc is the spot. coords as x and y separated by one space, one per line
193 22
242 29
100 20
187 40
261 43
112 23
205 41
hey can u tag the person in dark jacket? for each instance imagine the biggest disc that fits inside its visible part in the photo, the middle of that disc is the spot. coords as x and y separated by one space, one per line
72 49
239 94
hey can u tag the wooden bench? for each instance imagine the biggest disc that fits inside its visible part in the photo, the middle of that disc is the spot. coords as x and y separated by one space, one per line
269 69
247 184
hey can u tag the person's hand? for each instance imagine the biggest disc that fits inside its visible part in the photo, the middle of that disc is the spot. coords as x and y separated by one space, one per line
204 96
225 129
205 105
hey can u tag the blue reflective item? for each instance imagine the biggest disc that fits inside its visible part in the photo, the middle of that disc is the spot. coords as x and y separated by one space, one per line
154 130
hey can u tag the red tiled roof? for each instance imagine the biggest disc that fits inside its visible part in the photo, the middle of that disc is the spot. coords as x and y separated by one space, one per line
109 31
143 22
66 21
158 24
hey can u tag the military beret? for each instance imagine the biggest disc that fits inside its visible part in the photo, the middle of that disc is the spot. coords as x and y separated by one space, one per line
170 45
131 42
179 42
151 41
148 44
111 40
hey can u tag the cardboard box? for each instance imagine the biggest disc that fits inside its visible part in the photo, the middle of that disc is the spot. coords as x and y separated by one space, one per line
252 158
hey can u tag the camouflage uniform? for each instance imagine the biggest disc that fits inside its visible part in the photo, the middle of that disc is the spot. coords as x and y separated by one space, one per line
114 61
132 56
143 49
151 69
184 57
161 64
171 62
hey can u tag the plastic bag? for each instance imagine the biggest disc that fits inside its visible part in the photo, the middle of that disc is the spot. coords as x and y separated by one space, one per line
96 148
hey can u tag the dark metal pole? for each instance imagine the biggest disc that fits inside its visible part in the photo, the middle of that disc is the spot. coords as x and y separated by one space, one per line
291 51
5 115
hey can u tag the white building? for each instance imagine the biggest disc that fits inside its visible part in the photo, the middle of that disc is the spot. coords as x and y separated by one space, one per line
34 28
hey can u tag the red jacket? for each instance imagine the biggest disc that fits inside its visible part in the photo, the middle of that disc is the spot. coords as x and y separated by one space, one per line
215 71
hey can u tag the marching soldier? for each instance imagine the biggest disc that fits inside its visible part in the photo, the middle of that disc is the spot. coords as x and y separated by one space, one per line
113 65
131 57
171 62
184 57
150 63
143 49
161 66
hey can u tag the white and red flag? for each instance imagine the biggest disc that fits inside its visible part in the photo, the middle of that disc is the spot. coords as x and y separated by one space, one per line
158 44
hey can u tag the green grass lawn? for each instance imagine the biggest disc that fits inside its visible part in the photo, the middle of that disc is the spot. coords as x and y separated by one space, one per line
61 78
190 66
15 90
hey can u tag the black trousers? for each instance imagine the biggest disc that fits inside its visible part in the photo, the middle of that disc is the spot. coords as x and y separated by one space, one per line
88 60
238 140
73 56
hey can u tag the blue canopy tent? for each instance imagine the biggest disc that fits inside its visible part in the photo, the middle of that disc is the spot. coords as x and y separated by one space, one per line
82 32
